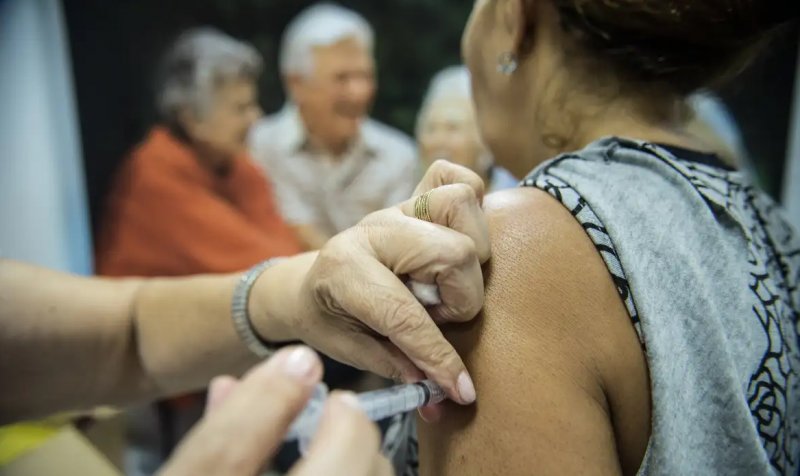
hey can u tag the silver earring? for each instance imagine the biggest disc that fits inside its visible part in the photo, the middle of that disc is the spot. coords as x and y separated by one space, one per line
507 63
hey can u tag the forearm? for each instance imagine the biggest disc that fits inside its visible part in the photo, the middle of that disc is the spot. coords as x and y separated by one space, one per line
182 334
184 329
72 343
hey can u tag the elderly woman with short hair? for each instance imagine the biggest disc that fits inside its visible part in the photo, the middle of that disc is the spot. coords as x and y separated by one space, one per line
447 129
188 200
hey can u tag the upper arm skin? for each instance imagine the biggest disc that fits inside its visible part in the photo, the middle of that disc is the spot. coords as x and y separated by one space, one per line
561 378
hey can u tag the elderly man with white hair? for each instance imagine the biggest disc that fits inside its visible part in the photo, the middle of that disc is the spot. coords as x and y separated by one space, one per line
448 129
330 163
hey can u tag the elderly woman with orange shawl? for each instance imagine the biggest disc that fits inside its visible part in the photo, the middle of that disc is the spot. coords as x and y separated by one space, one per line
188 200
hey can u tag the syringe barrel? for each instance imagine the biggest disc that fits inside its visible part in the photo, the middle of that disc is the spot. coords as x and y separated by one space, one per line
385 403
305 425
436 392
378 405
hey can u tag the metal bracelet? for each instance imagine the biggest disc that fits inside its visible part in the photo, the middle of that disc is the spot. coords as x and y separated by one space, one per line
241 317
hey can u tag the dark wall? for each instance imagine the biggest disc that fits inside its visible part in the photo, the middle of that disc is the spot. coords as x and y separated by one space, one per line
761 100
115 45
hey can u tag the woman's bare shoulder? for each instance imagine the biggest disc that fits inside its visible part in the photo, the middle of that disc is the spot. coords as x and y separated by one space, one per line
561 378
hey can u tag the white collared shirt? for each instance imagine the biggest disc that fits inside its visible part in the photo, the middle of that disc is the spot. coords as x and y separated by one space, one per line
314 189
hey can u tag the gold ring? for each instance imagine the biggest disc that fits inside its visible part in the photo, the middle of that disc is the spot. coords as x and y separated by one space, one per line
422 207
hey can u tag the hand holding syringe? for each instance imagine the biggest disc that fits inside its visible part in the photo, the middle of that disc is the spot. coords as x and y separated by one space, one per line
378 404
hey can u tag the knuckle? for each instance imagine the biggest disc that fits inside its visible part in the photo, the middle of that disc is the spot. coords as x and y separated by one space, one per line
329 259
403 319
440 167
376 218
466 298
462 249
323 283
463 312
473 307
464 194
324 298
450 312
477 184
379 365
439 355
333 243
473 304
450 173
339 243
373 229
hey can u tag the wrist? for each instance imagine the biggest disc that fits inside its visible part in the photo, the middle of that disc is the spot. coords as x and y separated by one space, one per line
274 305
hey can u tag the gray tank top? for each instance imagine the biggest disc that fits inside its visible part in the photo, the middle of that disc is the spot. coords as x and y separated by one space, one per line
708 270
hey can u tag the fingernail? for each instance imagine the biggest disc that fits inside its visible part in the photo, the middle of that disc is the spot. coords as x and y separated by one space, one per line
466 388
349 399
300 364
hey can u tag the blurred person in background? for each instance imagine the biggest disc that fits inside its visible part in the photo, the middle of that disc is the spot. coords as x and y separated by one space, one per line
447 129
189 200
330 163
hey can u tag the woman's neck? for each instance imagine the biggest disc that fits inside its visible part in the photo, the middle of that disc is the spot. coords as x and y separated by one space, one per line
218 163
214 161
567 111
635 128
612 121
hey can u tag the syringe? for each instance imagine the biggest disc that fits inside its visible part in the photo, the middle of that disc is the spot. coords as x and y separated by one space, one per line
378 404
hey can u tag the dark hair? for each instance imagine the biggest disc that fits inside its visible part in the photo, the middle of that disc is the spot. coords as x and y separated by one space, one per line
686 44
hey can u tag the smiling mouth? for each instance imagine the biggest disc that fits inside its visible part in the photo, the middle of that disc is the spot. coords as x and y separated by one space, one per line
353 113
